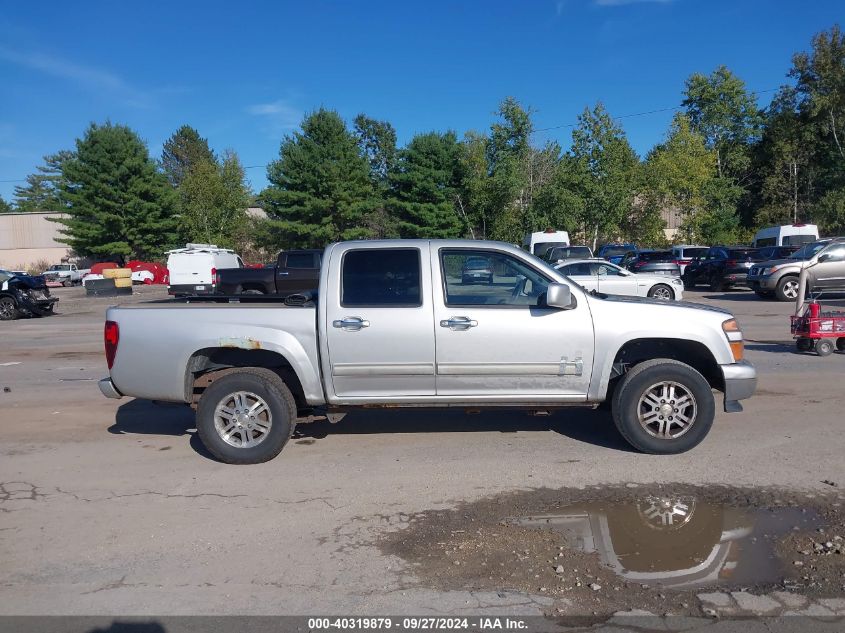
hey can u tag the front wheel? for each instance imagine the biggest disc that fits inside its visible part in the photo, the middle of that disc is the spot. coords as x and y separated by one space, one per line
717 284
246 417
8 311
662 292
787 289
663 407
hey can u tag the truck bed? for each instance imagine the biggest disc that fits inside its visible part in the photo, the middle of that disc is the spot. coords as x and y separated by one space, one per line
159 340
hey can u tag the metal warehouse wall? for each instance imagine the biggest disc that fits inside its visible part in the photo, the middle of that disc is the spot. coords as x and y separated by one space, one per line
24 236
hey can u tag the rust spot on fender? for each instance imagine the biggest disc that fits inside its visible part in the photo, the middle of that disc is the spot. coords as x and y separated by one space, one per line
240 343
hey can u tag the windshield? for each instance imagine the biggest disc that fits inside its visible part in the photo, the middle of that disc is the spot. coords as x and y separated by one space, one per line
5 275
569 252
657 256
808 250
540 248
745 254
615 250
60 267
475 263
692 253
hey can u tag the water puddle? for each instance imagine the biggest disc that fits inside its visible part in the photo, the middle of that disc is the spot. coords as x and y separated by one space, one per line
629 546
678 541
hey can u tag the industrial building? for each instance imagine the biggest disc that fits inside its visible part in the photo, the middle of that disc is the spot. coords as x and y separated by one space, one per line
26 238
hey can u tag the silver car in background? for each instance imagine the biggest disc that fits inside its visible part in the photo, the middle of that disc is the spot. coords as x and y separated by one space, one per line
602 276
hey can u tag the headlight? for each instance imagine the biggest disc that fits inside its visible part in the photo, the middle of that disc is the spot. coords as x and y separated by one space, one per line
770 270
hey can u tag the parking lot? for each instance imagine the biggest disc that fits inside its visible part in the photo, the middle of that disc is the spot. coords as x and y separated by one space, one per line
113 507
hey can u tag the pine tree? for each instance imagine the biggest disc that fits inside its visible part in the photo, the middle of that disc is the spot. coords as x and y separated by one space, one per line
182 151
5 207
118 203
424 187
320 188
42 191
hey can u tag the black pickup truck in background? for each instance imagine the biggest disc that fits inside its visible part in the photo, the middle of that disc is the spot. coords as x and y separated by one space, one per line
294 271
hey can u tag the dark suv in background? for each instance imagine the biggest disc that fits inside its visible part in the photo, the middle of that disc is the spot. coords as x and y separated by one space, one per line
653 262
721 267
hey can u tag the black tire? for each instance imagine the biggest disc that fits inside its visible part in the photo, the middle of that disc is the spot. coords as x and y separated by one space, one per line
8 309
787 288
804 344
639 380
266 385
717 284
824 347
840 343
662 289
67 283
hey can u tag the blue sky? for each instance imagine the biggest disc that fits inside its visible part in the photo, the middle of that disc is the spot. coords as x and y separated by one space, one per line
243 73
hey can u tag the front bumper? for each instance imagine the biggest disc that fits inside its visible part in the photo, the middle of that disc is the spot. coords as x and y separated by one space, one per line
759 282
740 383
108 389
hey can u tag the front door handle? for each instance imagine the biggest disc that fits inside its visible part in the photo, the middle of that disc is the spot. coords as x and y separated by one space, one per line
459 323
351 323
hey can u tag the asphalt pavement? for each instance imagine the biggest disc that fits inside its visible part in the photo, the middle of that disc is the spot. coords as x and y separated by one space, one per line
113 507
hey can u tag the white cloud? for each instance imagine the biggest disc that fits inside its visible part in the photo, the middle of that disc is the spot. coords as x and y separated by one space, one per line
280 116
619 3
90 76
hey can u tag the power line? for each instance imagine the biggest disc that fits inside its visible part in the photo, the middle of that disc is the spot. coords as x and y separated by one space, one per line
636 114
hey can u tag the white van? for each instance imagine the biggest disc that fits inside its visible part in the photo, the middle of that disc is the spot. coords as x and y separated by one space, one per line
786 235
539 242
193 269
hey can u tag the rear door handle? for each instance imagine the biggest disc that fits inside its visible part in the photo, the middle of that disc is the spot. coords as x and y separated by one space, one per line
282 273
351 323
458 323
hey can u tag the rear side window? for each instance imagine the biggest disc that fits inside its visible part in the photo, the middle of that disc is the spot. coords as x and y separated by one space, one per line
381 277
300 260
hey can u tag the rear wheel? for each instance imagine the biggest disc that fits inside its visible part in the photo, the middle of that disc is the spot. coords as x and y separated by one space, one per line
246 417
787 289
664 407
662 292
8 311
717 284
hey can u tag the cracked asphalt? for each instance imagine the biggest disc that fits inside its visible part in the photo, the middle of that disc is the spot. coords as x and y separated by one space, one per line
113 507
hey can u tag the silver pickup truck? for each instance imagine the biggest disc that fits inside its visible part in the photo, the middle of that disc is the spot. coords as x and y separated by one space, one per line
402 323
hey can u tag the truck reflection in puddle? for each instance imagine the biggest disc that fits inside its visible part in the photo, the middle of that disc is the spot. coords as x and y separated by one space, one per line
679 541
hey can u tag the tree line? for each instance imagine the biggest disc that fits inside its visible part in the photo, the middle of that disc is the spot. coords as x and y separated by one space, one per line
724 167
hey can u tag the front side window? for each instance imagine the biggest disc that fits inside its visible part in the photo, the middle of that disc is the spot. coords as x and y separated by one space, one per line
502 280
381 277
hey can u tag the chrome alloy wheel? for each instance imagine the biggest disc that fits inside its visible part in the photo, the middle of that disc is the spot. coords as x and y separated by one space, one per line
243 419
790 289
667 410
666 512
662 293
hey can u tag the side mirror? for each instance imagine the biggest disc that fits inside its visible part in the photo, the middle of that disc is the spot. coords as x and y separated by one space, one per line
559 296
824 257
